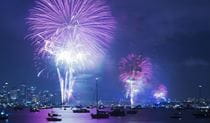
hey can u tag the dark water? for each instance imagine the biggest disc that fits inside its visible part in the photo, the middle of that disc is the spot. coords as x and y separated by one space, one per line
144 116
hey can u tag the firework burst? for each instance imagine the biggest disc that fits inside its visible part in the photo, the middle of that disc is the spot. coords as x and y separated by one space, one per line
135 71
72 33
160 93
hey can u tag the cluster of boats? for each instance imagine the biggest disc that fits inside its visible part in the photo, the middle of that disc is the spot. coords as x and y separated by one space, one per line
116 111
99 114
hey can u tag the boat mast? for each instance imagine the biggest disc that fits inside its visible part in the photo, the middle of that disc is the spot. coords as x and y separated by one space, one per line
97 93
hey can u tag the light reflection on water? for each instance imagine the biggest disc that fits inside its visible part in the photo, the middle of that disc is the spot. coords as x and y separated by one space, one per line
145 116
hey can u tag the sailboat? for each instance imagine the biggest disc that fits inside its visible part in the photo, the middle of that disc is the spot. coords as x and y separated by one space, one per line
99 114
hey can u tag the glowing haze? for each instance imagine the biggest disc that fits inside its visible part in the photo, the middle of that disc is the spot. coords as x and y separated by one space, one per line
135 72
72 33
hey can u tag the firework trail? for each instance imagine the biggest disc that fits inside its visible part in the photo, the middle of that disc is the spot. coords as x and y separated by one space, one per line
135 71
160 93
73 34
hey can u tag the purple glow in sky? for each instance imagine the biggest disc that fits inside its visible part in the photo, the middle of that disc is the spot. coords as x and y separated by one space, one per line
135 72
73 33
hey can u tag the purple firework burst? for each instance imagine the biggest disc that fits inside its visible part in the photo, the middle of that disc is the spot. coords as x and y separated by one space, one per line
135 67
89 21
161 92
73 34
135 70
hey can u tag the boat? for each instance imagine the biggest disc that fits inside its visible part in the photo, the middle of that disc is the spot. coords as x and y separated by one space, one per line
53 114
82 110
54 119
99 114
3 116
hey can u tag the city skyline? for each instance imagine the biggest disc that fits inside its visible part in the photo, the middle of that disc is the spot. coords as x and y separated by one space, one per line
173 34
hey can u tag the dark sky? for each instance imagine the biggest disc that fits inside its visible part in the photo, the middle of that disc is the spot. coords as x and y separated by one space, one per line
175 34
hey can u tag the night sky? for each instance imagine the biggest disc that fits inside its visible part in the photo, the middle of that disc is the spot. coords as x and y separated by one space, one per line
175 34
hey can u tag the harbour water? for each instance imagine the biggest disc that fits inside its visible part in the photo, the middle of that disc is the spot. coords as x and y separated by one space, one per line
144 116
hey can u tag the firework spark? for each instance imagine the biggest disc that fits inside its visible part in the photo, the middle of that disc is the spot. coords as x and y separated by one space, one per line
135 71
160 93
72 33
